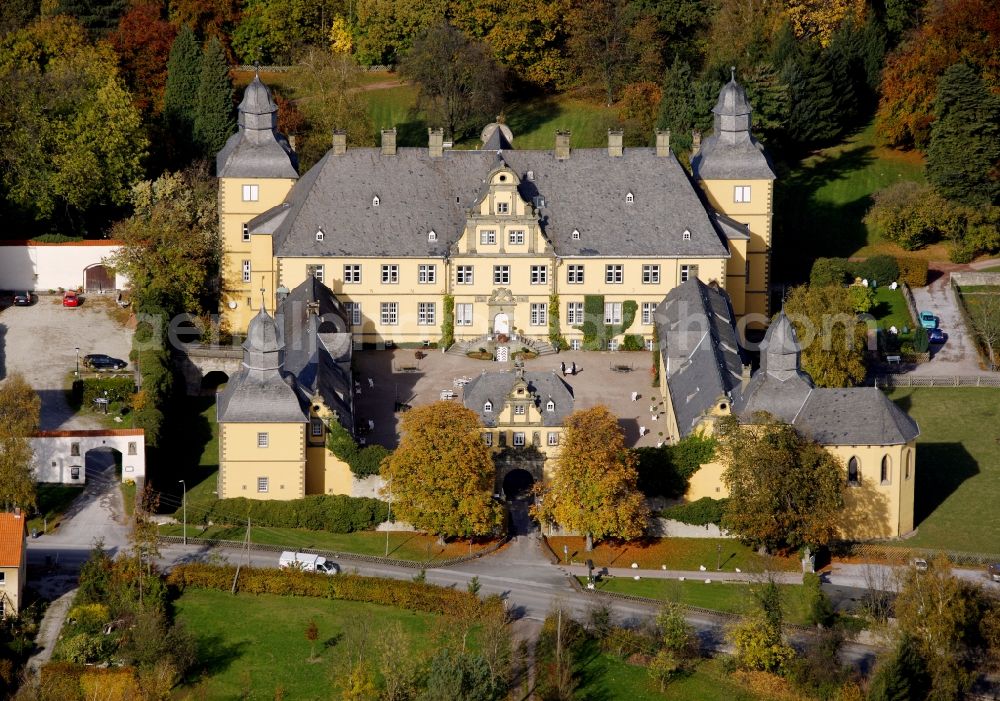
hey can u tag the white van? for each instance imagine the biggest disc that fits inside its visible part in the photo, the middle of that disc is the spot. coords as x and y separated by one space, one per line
307 562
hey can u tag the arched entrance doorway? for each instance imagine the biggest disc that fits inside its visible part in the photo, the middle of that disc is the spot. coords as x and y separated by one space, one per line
518 484
103 466
213 382
98 278
501 324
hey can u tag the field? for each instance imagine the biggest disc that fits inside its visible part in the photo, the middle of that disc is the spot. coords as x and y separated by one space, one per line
717 596
252 646
821 202
685 554
957 466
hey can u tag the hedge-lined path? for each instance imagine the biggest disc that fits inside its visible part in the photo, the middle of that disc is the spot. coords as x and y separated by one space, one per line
48 631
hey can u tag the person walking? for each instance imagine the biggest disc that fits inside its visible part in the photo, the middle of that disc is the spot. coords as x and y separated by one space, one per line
562 367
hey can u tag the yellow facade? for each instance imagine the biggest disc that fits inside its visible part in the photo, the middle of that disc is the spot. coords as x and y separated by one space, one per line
262 460
11 588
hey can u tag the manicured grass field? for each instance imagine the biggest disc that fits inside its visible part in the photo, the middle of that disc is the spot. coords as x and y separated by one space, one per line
718 596
821 202
676 553
252 646
957 466
891 310
53 501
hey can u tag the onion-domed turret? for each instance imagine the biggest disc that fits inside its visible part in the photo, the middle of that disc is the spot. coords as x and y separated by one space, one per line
263 349
258 109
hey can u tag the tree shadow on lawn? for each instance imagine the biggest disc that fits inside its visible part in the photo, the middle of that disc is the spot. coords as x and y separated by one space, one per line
527 117
216 655
941 469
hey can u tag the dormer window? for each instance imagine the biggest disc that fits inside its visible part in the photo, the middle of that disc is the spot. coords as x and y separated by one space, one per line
550 406
376 201
576 235
629 198
519 409
503 207
686 235
487 407
432 235
319 235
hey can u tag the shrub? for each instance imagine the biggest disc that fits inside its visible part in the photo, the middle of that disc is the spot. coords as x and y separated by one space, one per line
912 271
829 271
921 340
697 513
335 513
910 214
633 342
625 642
862 298
880 269
363 462
115 389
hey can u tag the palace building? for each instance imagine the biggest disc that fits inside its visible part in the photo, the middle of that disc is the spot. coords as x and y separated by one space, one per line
493 241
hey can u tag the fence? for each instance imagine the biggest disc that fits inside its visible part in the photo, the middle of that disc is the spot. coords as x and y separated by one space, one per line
285 69
911 303
904 380
903 554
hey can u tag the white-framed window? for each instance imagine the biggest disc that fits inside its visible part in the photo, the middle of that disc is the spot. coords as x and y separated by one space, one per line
487 237
688 272
613 344
501 274
539 313
316 427
262 439
516 238
650 345
463 275
246 271
376 201
518 437
614 274
133 448
390 313
686 235
576 343
487 407
574 274
612 312
550 406
251 193
426 313
352 274
262 484
574 313
353 312
488 439
390 274
741 193
503 207
648 308
539 274
317 271
651 275
74 473
246 232
463 314
575 235
520 410
629 198
426 274
553 438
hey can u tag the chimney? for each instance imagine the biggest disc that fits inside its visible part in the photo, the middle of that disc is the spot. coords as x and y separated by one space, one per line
662 142
435 142
389 142
291 141
339 142
695 143
562 145
615 142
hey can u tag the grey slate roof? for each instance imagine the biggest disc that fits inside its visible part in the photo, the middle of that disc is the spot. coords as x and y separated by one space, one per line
855 416
496 137
257 149
700 349
743 159
418 193
495 387
730 228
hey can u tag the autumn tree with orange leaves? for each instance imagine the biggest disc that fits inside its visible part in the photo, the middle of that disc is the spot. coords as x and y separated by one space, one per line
594 488
440 478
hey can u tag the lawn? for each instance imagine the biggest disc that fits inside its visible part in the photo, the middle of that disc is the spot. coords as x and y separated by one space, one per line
890 309
957 466
403 545
196 459
252 646
53 501
717 596
820 203
685 554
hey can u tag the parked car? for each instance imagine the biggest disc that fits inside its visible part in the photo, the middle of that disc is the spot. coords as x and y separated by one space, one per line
920 564
23 299
993 572
307 562
928 320
71 299
936 336
99 361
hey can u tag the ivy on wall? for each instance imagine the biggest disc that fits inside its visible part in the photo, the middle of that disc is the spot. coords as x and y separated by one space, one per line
448 322
362 461
555 336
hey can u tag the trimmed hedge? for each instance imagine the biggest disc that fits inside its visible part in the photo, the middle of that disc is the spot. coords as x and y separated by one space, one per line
410 595
334 513
912 271
883 270
697 513
116 389
448 322
829 271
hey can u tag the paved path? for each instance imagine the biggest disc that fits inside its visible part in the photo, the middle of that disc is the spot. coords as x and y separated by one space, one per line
958 356
48 631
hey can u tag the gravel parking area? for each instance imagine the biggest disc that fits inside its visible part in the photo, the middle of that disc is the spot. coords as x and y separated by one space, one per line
958 355
40 341
596 382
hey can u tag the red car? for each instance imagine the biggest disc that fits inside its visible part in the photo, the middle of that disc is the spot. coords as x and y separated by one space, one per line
70 299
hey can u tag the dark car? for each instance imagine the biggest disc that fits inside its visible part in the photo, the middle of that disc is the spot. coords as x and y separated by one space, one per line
99 361
936 336
23 299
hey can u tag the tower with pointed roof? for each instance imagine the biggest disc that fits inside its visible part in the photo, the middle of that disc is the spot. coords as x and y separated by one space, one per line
738 181
256 169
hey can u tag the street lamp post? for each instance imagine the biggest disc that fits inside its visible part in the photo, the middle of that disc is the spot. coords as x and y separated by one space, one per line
718 557
184 501
388 518
78 361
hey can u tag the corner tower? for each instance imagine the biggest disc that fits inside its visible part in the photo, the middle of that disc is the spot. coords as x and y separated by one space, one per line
256 169
736 177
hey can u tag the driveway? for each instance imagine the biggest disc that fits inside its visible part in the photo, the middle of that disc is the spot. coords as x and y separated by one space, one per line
958 356
39 342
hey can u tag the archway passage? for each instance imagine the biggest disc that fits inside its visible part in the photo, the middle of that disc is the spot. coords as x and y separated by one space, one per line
518 483
103 466
517 486
213 382
98 278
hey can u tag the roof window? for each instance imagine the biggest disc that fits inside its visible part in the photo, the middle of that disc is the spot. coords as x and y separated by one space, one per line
432 235
686 235
630 198
576 235
319 235
376 201
488 406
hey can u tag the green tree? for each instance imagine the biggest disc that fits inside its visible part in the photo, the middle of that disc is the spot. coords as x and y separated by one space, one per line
19 416
98 17
441 475
594 487
785 491
181 92
902 676
386 28
461 85
769 96
678 644
462 677
984 317
213 114
833 339
677 104
963 160
821 97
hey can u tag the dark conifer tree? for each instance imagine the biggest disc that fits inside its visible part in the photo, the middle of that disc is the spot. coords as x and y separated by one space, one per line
213 114
676 104
180 95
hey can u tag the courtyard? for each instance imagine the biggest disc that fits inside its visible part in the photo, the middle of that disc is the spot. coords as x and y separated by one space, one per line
392 377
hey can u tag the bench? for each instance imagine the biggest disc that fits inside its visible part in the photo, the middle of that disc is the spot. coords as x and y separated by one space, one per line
893 359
